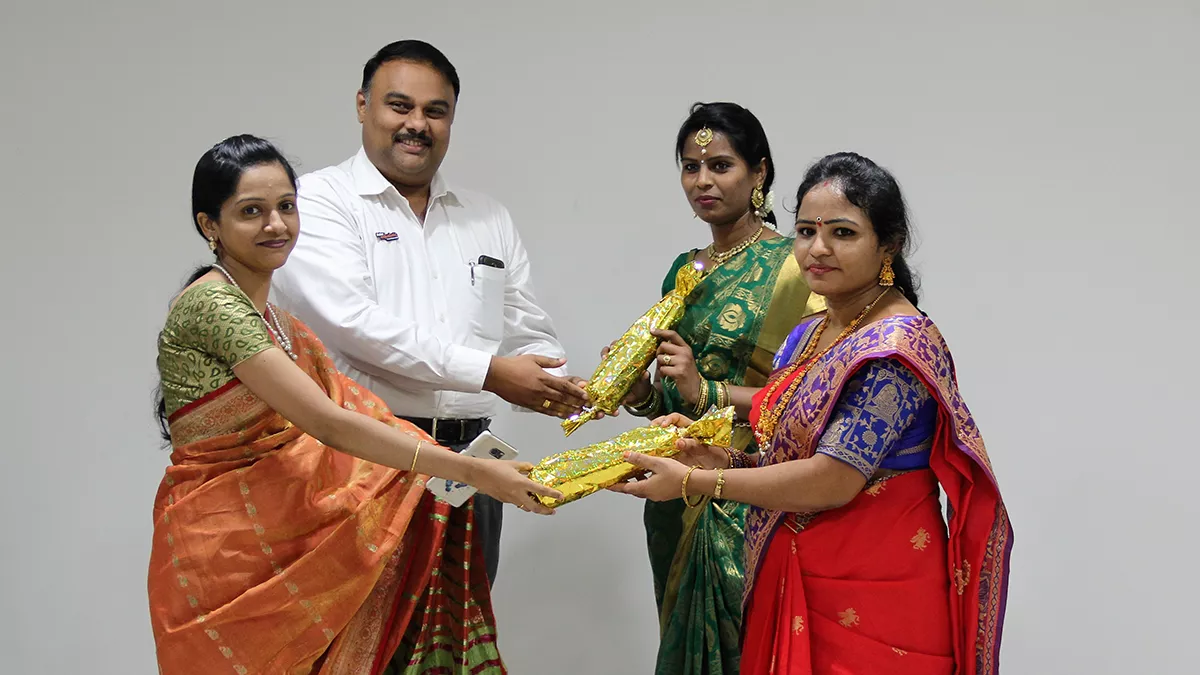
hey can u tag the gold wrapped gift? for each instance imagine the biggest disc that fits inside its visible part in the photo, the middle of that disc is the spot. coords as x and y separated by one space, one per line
630 356
579 473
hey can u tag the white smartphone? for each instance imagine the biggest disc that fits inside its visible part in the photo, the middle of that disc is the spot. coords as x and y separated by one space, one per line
486 446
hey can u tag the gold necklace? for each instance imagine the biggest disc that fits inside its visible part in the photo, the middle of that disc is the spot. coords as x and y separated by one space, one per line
721 258
768 417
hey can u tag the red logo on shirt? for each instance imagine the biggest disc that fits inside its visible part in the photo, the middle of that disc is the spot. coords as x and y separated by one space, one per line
386 236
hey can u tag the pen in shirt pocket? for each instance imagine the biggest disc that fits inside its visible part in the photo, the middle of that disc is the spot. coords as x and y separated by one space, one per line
487 261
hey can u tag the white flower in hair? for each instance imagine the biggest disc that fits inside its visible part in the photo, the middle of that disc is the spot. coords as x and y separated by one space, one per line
768 205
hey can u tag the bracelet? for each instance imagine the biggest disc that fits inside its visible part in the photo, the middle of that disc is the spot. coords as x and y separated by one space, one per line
642 403
420 442
701 406
738 459
720 483
721 398
686 476
649 407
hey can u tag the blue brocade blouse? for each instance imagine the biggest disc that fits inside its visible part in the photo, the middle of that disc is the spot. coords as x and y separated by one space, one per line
884 418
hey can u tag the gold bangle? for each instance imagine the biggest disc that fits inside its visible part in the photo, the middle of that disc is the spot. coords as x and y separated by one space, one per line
648 407
420 442
702 398
724 396
686 476
644 402
720 483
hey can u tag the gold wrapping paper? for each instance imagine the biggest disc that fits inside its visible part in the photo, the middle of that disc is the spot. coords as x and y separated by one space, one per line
633 352
579 473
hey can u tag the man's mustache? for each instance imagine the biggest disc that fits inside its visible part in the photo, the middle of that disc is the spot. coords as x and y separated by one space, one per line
420 138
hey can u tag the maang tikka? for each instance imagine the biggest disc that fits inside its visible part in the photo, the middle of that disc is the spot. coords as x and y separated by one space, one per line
703 137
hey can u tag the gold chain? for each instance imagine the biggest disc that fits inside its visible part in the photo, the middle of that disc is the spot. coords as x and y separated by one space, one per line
768 417
722 258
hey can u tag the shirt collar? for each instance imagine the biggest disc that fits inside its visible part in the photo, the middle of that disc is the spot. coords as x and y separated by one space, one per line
368 181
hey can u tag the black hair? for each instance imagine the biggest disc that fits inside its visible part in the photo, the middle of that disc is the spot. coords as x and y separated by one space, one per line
217 173
415 51
741 127
873 189
214 181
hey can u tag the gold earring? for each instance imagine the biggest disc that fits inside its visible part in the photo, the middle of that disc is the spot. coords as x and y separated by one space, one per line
212 245
756 198
887 276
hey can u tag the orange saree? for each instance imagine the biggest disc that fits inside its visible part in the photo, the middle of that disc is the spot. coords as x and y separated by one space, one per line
275 554
883 584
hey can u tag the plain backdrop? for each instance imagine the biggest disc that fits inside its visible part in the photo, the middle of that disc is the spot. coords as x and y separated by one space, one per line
1048 151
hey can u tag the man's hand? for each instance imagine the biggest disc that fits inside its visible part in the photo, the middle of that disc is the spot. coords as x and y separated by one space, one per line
523 381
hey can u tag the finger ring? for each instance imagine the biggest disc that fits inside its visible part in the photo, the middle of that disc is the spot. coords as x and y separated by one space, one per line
546 403
667 360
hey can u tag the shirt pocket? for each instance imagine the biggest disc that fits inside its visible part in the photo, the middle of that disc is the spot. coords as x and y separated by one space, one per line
487 314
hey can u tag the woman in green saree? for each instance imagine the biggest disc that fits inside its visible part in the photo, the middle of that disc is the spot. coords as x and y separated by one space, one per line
720 354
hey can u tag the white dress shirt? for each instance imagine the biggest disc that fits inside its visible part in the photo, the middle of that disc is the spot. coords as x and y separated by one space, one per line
404 307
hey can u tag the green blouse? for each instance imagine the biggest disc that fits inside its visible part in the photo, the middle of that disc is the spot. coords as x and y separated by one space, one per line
212 328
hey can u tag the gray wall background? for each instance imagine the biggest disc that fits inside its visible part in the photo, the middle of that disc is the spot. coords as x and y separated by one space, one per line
1048 151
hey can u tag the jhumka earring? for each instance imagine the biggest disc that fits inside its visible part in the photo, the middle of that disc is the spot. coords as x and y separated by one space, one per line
757 199
212 245
887 276
763 204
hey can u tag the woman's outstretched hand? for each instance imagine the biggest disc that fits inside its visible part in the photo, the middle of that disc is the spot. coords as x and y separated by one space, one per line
509 482
664 483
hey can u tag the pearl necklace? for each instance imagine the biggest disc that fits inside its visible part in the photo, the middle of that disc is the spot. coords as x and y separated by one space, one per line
723 257
276 329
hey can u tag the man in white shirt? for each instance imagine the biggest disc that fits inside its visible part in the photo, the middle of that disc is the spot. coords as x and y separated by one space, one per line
420 289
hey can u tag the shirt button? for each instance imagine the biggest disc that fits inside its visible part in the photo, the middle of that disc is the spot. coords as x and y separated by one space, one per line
435 274
442 318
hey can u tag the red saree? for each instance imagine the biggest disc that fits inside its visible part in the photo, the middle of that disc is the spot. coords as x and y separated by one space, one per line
881 585
275 554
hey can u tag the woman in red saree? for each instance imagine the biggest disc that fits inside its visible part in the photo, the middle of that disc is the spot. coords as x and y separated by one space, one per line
292 531
850 566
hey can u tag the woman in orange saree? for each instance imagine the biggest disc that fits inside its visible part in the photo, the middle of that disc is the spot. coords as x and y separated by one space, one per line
274 552
850 566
